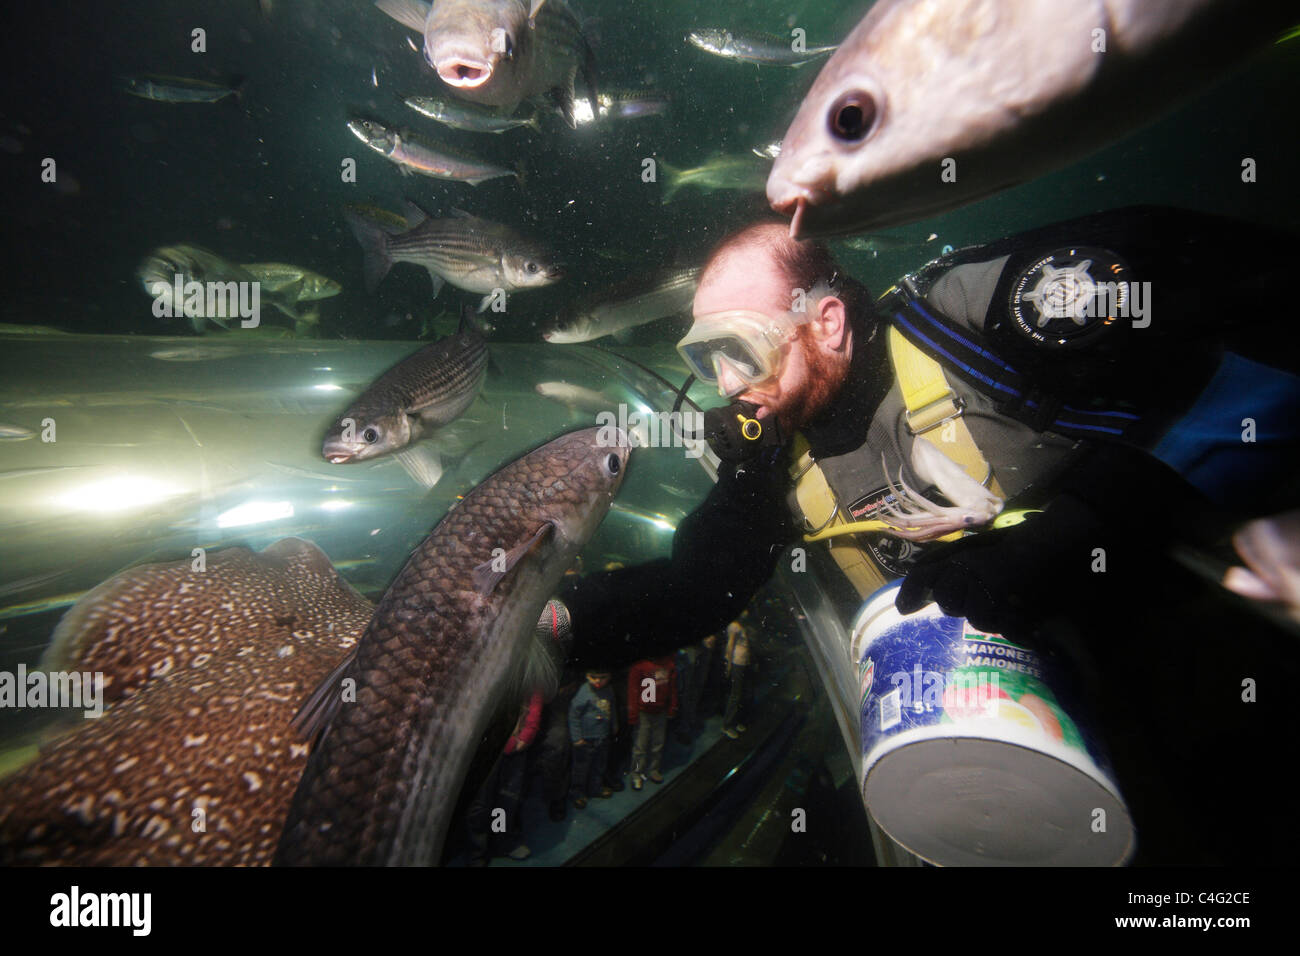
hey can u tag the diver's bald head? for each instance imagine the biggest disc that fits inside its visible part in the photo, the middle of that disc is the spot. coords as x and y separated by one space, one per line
766 247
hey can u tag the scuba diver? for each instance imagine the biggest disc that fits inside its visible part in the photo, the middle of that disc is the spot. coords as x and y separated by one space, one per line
1019 429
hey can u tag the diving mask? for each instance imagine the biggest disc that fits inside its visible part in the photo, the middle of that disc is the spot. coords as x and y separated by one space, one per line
746 343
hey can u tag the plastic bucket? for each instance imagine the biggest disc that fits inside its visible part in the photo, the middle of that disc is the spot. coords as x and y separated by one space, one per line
968 758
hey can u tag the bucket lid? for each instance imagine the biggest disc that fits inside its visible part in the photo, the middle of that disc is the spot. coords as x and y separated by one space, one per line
971 801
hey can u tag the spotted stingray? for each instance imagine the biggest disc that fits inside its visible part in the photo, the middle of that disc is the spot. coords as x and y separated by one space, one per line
194 761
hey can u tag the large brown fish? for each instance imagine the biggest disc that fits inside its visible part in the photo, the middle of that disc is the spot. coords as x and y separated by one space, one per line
447 641
487 52
194 761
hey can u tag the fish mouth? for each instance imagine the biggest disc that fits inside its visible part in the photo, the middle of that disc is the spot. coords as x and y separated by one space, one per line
337 454
787 199
462 72
796 207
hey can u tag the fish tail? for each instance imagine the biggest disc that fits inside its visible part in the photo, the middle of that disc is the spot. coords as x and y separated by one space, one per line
587 63
672 181
375 260
237 85
562 97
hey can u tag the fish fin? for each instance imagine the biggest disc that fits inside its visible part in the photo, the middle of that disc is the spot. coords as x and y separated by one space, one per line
461 213
542 664
533 9
222 321
237 85
587 63
288 308
438 282
318 710
563 99
375 261
1248 584
484 303
415 214
489 574
623 336
409 13
308 324
422 463
473 321
672 181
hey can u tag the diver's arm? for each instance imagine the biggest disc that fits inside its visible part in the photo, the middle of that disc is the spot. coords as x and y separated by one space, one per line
722 553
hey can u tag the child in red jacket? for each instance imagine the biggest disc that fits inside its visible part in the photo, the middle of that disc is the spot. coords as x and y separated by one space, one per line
651 701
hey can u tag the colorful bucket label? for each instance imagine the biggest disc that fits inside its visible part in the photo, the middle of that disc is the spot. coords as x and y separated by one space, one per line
928 670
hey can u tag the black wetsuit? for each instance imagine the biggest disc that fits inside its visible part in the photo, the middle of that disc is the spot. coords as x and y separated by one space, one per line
1214 279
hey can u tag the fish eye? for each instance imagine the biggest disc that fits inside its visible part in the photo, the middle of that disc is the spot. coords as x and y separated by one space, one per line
371 435
612 464
532 267
853 116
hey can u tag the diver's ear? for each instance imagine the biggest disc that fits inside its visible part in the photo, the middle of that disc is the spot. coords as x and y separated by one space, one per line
832 322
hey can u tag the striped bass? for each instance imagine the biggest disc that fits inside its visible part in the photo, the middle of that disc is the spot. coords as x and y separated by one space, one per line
470 253
427 390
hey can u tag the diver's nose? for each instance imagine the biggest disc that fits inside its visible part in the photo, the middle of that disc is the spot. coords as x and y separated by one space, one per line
729 383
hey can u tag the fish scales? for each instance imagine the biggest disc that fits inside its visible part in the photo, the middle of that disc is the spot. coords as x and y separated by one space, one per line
436 373
434 660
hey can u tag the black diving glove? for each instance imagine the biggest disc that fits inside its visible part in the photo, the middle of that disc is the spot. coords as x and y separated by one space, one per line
1009 580
1084 550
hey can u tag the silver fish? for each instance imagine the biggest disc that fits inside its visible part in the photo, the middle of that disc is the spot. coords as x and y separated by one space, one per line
291 282
158 272
876 244
719 172
411 155
15 432
921 82
1270 547
471 253
627 306
619 105
467 116
424 391
577 398
761 48
447 642
492 52
175 89
195 353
